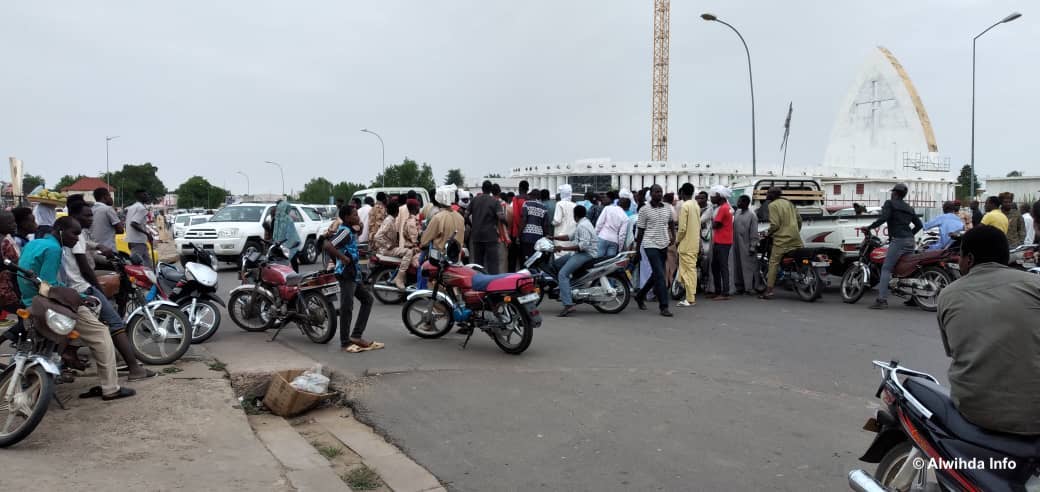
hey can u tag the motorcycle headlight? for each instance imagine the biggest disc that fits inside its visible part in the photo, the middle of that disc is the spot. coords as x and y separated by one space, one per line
60 323
228 233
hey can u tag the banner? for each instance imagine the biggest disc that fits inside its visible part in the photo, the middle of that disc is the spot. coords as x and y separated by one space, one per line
16 178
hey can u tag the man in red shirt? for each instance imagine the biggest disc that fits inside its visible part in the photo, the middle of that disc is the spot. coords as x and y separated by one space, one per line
516 227
722 242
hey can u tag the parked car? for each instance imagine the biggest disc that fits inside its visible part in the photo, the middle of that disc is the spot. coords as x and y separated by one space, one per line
424 196
238 229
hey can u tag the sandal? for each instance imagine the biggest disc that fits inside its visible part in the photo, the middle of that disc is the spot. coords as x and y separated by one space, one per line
148 374
93 392
122 393
364 346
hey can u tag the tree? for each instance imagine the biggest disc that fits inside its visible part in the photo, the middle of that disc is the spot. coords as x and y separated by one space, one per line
1014 174
67 180
317 190
197 192
407 174
964 191
30 181
455 177
135 177
345 190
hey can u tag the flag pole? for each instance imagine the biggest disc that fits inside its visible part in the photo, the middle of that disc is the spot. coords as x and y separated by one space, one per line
787 133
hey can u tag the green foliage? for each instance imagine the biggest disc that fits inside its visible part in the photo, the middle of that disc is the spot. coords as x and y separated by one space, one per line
407 174
345 190
67 180
964 192
1014 174
317 190
197 192
455 177
135 177
30 181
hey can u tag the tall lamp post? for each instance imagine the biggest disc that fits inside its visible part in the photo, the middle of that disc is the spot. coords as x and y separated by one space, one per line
1009 18
107 172
383 148
247 180
273 163
713 18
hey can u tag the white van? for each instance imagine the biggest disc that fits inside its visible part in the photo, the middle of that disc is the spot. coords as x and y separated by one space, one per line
424 196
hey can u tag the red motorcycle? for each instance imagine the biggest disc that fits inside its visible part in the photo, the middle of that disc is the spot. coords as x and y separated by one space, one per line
919 276
503 306
272 295
383 270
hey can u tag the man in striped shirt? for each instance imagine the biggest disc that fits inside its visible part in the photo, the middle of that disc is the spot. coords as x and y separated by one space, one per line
654 236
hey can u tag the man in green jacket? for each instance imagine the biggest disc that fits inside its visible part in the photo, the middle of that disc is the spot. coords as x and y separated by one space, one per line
785 227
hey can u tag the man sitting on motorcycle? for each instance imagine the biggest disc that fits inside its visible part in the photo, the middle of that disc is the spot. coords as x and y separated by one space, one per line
445 223
408 241
43 256
949 222
385 240
585 247
989 329
785 225
899 216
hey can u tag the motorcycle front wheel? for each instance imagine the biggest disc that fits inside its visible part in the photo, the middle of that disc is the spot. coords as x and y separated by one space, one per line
516 335
251 311
204 321
427 317
20 416
808 287
853 285
163 342
320 314
622 295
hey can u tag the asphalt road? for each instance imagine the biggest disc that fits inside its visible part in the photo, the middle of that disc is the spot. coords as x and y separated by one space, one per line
738 395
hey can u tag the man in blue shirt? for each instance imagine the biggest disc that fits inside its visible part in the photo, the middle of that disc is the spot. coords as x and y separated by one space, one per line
948 222
43 256
344 248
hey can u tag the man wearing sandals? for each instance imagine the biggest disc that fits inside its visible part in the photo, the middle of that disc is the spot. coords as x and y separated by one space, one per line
43 256
344 248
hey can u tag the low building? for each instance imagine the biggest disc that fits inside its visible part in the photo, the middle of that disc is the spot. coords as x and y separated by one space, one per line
85 187
1025 188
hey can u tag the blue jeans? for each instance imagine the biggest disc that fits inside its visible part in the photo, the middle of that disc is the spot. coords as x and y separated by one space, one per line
570 264
607 248
657 258
108 315
896 249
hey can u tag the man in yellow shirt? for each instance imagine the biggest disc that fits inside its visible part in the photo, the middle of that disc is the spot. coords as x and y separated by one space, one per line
994 217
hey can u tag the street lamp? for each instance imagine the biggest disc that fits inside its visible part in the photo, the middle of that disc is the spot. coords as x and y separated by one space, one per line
273 163
383 147
712 18
247 180
107 172
1009 18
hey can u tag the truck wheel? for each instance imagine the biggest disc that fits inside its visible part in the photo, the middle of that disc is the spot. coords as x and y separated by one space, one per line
310 252
250 247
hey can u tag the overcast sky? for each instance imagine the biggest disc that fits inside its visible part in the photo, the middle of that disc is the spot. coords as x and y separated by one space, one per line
211 88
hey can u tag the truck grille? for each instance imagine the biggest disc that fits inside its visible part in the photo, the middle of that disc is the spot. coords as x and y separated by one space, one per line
200 234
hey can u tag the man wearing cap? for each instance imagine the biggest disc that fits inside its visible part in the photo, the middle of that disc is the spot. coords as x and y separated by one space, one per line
446 223
899 216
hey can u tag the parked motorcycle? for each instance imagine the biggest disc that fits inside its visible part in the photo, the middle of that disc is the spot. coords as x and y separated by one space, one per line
195 290
805 268
600 282
27 384
503 306
917 276
924 443
272 295
156 326
1024 257
383 269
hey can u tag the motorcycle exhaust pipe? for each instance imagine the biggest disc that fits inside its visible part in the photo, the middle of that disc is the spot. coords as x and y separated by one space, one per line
386 288
861 481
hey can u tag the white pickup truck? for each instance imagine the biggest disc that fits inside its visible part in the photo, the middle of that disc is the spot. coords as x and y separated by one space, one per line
820 228
237 229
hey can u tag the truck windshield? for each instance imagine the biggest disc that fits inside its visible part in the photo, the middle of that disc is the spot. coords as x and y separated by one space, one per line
248 213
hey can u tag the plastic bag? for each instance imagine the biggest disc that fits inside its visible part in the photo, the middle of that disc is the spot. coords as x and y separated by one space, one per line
311 381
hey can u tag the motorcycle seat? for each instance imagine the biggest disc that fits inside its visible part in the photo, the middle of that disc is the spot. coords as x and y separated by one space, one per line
497 283
937 399
171 274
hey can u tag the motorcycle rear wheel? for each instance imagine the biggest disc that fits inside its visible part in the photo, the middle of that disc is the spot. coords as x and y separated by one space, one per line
618 281
249 315
320 325
38 387
385 276
809 288
518 323
892 462
426 317
942 279
170 339
853 285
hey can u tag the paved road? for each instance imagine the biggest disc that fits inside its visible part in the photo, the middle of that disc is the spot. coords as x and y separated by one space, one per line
738 395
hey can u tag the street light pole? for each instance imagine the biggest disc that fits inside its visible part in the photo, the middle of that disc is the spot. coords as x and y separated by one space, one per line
1009 18
383 148
247 180
751 82
273 163
107 172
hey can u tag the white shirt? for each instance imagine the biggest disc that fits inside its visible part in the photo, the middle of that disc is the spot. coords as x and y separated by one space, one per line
563 220
44 214
363 215
1030 231
136 213
612 224
70 269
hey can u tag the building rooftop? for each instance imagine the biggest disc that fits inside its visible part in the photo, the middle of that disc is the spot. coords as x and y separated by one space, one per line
88 184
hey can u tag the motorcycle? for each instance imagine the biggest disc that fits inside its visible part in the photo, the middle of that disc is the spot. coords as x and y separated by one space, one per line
27 384
157 327
924 443
272 295
383 270
601 282
805 268
195 290
917 276
503 306
1024 257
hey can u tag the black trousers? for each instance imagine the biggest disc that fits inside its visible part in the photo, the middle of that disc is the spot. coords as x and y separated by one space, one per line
514 261
720 268
658 276
348 291
486 255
